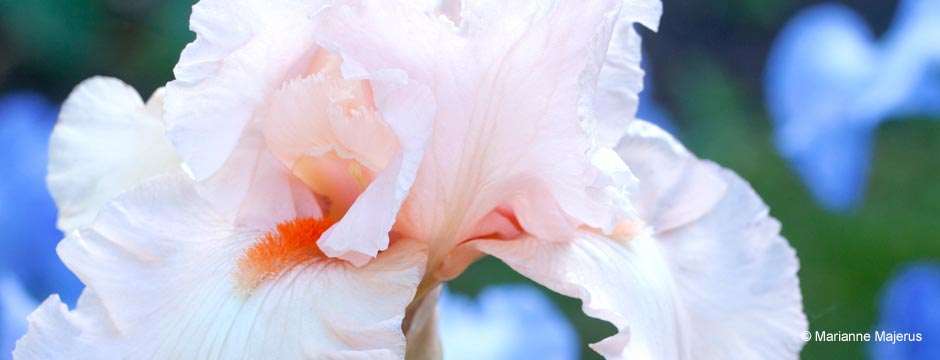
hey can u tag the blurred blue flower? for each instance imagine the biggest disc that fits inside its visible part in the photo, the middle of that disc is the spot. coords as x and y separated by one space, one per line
15 305
505 322
911 304
30 270
830 84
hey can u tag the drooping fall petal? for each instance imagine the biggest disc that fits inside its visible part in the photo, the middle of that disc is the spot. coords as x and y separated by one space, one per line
730 263
162 238
711 263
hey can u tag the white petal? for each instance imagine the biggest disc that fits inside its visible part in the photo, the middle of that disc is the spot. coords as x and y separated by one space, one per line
244 51
628 285
106 142
54 330
734 271
163 262
715 265
675 188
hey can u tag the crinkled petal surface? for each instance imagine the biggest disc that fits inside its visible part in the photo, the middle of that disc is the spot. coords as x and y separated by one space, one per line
627 285
712 264
244 50
68 332
107 141
621 78
161 264
408 110
735 272
382 147
249 62
509 81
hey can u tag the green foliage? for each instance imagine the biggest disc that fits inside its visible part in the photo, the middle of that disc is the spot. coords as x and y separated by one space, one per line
57 43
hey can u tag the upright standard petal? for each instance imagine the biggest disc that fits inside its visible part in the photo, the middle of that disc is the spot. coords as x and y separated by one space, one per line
171 277
710 263
356 140
106 141
620 80
509 84
255 82
243 52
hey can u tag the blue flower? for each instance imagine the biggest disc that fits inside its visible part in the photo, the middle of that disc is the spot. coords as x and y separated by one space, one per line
505 322
830 84
30 270
15 304
911 304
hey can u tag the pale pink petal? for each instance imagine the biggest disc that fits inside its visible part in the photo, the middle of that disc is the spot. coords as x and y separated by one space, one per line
450 9
621 78
324 112
163 263
711 263
105 142
509 83
244 50
228 81
361 157
253 188
408 109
